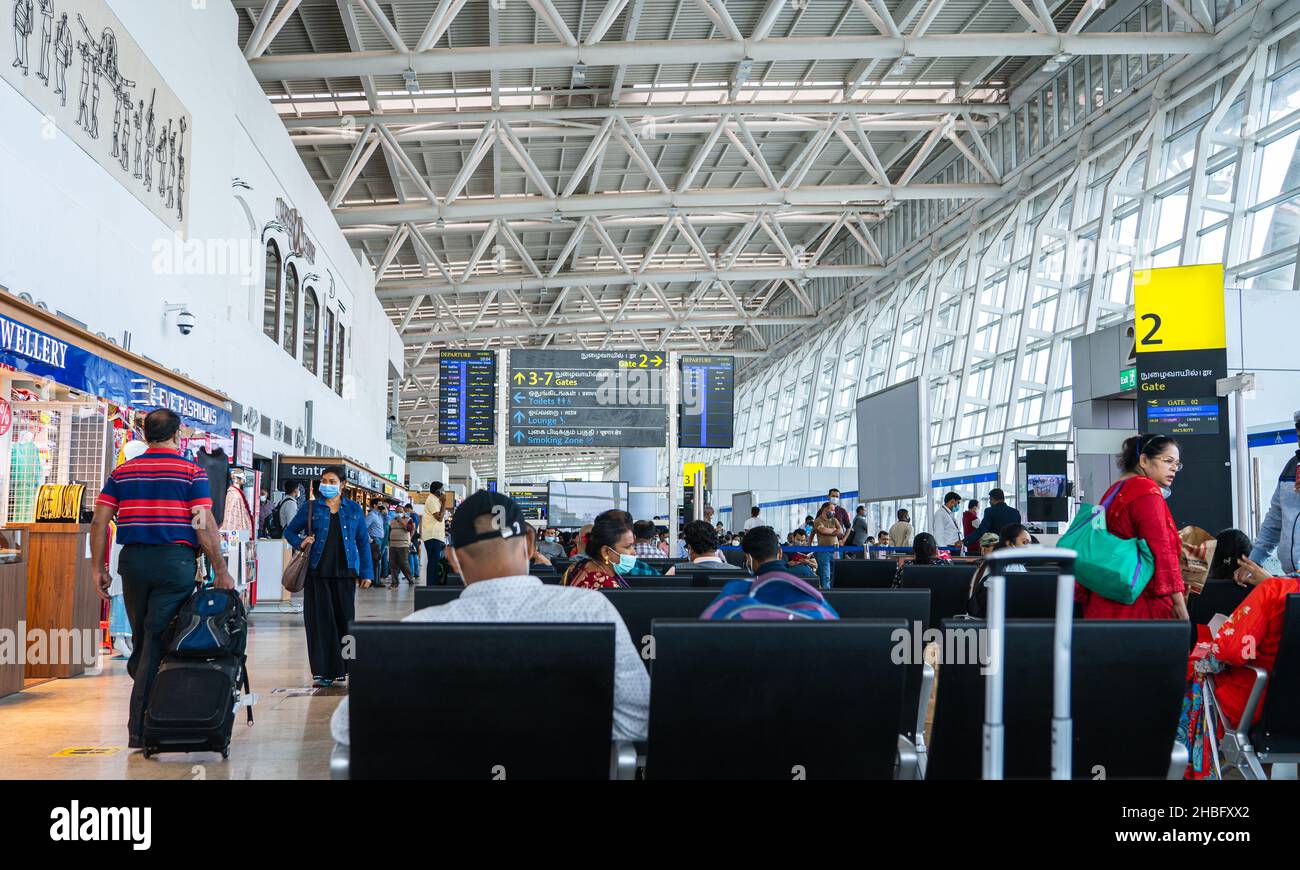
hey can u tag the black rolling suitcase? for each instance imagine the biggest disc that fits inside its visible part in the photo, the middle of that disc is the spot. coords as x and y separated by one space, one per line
194 698
192 705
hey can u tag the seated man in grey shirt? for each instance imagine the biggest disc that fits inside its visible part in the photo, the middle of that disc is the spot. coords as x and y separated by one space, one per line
491 552
548 544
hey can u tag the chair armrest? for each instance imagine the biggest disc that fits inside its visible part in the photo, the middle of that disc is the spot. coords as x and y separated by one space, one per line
1178 760
1252 702
927 685
907 759
340 758
622 760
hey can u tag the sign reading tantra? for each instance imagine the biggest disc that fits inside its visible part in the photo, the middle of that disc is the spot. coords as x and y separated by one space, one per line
74 61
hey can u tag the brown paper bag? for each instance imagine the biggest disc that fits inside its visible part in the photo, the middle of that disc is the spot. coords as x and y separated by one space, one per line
1195 556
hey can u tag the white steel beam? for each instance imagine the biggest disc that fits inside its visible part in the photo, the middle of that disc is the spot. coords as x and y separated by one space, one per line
733 199
296 67
407 288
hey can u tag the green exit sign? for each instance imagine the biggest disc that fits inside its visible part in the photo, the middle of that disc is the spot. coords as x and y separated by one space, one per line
1128 379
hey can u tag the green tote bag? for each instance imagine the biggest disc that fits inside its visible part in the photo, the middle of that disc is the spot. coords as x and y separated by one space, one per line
1112 567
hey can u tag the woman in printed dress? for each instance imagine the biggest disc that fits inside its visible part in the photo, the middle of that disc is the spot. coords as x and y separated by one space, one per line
609 555
1136 509
1251 636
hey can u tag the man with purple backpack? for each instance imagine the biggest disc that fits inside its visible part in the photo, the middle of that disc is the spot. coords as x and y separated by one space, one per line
779 590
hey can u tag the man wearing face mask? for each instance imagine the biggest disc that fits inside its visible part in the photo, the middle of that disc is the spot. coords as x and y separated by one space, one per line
833 496
549 545
945 526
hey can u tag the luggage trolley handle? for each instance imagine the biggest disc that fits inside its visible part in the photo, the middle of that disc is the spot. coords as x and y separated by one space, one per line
993 734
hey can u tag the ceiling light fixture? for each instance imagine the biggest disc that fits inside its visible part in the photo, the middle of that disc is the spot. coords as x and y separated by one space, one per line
412 81
579 74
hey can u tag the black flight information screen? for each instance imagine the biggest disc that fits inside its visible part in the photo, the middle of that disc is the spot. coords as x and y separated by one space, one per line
467 396
707 418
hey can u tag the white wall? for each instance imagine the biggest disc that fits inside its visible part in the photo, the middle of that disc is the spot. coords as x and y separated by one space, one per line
78 241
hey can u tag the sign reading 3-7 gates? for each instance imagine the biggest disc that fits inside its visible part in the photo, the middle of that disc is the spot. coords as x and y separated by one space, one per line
561 398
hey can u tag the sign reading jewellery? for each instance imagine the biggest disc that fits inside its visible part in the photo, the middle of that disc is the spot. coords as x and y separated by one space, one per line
296 228
29 350
74 61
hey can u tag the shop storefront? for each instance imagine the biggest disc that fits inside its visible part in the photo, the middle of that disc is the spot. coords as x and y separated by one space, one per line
362 485
71 410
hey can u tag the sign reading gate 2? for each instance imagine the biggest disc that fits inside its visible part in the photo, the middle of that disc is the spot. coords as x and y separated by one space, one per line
562 398
1181 352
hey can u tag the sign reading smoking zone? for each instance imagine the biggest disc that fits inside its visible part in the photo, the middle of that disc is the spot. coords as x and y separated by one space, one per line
561 398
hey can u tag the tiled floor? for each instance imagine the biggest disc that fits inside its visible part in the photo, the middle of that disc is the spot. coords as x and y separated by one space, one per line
289 740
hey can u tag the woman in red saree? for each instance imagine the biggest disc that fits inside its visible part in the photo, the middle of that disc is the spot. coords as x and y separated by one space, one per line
610 555
1135 508
1251 636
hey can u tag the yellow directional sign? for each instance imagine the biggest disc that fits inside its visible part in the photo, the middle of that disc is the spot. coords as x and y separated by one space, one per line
1179 308
693 468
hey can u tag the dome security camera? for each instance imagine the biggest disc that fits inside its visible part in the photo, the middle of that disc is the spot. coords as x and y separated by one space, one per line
185 322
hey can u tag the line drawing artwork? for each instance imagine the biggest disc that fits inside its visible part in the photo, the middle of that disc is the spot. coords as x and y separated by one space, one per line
125 161
160 154
139 172
23 23
171 170
47 39
180 175
150 118
62 58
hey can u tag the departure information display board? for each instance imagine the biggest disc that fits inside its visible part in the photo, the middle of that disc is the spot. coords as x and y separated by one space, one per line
532 501
707 412
467 396
578 398
1183 416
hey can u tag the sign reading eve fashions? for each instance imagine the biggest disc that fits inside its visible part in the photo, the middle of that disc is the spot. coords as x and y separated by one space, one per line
74 61
563 398
34 352
1181 353
467 396
707 409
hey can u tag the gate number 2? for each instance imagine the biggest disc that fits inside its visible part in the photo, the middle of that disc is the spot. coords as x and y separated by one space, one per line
1150 338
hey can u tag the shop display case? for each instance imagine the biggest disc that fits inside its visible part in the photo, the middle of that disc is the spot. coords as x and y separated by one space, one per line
13 604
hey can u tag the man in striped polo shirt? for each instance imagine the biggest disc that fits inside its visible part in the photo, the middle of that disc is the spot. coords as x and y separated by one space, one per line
163 506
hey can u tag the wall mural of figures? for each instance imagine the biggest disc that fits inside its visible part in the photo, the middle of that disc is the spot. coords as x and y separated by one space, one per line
149 124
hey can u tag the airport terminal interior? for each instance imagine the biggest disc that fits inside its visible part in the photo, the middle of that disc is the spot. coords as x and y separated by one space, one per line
649 389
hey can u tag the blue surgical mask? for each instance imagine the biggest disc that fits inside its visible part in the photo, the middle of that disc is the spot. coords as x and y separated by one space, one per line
329 490
626 563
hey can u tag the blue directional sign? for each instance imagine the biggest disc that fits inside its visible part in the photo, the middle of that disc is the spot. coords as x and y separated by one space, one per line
561 398
467 396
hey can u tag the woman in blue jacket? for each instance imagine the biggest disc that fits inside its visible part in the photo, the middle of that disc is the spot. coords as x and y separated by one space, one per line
337 537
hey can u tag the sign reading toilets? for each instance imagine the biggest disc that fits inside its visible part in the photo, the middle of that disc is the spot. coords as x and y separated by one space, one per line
1181 337
74 61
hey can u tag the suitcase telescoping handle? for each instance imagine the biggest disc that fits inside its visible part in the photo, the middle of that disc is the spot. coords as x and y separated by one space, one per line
993 742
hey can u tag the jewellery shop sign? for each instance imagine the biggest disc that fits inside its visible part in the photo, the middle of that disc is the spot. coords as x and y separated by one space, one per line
40 355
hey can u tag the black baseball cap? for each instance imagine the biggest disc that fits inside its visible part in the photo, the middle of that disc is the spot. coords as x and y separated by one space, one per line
508 518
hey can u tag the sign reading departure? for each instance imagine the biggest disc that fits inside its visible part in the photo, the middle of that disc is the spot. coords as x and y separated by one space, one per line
563 398
707 412
467 396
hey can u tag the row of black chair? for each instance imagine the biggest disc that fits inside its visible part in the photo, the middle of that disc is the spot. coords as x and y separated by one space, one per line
640 609
750 700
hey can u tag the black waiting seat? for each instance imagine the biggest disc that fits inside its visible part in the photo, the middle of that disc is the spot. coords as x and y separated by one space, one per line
658 581
1127 683
774 700
641 607
1031 594
735 556
660 564
432 596
863 573
1277 736
513 701
1216 596
949 587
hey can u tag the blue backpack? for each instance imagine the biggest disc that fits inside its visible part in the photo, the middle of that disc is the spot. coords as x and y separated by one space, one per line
211 623
774 596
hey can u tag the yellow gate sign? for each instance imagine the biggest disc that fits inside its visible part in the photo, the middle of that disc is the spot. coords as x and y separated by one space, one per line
1179 308
693 468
